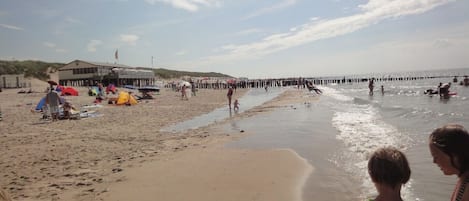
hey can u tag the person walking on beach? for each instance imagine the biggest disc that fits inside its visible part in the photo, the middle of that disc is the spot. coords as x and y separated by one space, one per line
193 89
183 92
389 170
371 85
236 105
53 101
229 95
448 147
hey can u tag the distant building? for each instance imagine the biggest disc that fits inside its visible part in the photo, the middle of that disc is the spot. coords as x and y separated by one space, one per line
86 73
13 81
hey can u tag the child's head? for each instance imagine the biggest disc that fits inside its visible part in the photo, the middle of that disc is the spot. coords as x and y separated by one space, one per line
450 142
389 166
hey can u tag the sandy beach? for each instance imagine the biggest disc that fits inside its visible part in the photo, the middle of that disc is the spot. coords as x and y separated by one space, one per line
122 149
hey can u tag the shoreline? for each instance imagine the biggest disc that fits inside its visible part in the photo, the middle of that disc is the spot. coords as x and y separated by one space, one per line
286 169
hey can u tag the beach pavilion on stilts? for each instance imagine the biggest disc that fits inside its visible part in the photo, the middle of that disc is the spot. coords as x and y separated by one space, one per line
86 73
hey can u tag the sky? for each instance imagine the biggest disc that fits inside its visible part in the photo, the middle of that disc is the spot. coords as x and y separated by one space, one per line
242 38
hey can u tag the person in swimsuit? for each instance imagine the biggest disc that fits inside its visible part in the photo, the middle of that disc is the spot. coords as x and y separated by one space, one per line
236 105
389 170
229 95
371 85
449 149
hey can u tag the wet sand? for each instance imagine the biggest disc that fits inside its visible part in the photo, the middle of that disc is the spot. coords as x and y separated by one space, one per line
216 174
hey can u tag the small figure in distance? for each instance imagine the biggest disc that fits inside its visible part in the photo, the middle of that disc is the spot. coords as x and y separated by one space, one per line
68 107
53 101
371 85
183 92
389 170
444 90
311 87
229 95
382 90
236 105
448 147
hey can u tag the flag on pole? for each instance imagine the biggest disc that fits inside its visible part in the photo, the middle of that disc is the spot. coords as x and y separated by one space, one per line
116 55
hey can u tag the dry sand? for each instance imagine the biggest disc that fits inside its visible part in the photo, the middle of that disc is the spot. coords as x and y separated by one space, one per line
98 158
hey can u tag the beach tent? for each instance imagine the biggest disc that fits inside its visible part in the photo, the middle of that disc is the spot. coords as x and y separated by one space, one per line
42 102
69 91
125 98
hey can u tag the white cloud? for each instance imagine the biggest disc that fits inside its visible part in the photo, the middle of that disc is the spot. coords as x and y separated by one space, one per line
189 5
129 38
60 50
249 31
279 6
373 12
92 45
315 18
49 44
442 43
73 20
7 26
181 53
54 47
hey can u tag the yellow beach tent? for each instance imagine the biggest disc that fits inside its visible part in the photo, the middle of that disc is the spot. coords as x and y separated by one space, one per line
125 98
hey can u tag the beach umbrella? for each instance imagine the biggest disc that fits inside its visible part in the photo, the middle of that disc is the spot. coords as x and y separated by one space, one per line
185 83
52 82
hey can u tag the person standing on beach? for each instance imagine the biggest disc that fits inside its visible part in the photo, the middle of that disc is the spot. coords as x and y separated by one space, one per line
183 92
193 89
53 101
229 95
389 170
448 147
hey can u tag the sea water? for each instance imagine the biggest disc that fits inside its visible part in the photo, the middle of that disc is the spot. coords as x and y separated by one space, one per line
338 132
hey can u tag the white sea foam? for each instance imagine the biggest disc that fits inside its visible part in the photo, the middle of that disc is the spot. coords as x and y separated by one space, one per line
334 93
362 130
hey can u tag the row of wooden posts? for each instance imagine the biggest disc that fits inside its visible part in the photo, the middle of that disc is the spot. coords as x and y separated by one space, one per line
300 82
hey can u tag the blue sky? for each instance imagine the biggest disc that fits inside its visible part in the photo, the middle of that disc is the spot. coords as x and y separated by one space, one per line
243 38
